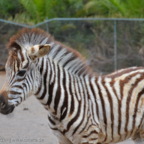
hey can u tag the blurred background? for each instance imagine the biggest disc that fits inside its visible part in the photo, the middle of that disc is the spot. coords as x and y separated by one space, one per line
109 33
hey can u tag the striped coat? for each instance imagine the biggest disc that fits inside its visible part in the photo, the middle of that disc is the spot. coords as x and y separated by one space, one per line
83 108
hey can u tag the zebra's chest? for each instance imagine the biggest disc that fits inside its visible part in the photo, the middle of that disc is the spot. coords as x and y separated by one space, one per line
63 133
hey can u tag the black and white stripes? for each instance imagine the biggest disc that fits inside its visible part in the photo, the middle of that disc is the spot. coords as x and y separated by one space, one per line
82 108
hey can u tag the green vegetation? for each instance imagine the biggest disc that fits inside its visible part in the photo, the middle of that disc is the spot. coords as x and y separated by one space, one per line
115 8
94 39
34 11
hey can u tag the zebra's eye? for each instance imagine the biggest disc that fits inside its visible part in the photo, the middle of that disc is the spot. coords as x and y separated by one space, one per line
21 73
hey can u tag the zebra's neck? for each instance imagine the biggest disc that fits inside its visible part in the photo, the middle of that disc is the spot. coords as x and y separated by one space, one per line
57 89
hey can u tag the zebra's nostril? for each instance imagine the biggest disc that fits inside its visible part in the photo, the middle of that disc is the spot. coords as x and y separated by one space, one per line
2 105
2 102
5 108
1 99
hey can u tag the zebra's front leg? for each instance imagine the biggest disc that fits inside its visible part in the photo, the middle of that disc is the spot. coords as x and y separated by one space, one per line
138 138
62 139
65 141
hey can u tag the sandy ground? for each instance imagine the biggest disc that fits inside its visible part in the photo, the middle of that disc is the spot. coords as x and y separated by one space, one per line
27 124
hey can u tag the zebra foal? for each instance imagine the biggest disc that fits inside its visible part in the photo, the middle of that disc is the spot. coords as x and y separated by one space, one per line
82 108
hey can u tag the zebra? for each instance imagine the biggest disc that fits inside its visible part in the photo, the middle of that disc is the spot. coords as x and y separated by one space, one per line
83 107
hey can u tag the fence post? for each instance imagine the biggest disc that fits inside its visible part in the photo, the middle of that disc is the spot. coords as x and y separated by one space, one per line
47 28
115 45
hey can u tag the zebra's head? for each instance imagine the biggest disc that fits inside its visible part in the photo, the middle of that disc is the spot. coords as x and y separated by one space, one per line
22 71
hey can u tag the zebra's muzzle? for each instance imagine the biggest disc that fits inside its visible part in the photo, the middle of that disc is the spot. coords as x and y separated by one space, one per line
5 108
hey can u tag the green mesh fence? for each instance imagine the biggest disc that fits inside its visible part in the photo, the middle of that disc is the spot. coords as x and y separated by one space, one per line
107 44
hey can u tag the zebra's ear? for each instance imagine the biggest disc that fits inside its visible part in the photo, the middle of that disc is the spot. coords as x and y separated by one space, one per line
38 51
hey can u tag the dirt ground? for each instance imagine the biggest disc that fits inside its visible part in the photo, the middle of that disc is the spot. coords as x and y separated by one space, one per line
27 124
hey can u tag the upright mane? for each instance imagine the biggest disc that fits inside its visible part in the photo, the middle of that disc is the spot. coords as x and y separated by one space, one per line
64 56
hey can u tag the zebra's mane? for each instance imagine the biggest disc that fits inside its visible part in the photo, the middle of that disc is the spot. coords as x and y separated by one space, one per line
64 56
